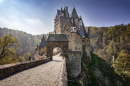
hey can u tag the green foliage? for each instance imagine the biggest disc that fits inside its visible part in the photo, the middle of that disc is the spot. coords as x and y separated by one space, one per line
28 41
122 62
26 56
92 64
108 42
96 64
8 45
115 39
73 81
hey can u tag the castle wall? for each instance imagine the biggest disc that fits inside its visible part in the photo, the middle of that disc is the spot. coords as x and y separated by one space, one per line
77 22
75 40
87 47
63 21
74 63
57 26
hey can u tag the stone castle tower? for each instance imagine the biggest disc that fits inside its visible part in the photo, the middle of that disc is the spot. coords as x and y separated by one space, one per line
72 25
79 40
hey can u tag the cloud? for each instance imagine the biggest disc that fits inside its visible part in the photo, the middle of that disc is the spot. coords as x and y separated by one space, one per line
30 25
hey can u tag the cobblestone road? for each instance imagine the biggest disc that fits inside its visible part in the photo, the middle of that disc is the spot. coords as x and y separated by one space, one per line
43 75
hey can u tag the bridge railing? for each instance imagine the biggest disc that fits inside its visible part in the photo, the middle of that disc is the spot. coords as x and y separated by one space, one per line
17 67
62 78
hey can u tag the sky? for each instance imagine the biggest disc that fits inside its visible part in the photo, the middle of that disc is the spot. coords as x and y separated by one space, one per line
37 16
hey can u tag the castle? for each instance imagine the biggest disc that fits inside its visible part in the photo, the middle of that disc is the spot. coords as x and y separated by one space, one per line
71 36
72 25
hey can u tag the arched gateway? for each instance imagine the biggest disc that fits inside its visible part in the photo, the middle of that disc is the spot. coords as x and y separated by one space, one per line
57 40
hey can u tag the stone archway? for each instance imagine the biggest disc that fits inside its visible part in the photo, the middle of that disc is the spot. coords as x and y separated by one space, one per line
57 40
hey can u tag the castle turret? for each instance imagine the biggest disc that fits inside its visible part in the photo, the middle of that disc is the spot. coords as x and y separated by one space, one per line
74 13
57 12
80 22
61 8
66 12
43 42
89 32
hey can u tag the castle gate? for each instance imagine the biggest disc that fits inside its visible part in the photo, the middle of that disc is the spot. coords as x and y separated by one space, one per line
57 40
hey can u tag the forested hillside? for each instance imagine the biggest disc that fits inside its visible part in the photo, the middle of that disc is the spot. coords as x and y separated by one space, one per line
28 42
109 41
113 45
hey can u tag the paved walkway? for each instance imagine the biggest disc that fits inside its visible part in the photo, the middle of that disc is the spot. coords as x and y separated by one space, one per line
43 75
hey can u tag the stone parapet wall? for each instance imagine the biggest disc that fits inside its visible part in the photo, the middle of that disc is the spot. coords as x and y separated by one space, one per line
74 63
17 67
62 78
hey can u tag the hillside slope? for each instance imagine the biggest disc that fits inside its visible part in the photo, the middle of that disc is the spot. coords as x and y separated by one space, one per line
27 41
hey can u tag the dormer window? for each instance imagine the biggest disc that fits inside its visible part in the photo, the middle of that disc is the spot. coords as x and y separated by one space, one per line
73 29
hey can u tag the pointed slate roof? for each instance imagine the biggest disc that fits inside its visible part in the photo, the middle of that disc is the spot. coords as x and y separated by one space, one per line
43 42
82 31
57 37
74 13
80 18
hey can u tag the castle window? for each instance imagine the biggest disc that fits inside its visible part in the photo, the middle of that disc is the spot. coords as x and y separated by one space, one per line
67 29
71 35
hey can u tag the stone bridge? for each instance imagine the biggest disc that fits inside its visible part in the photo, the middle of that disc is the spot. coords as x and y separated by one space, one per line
52 73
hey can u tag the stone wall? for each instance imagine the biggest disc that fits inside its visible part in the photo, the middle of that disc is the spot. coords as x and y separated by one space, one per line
74 63
52 45
17 67
62 78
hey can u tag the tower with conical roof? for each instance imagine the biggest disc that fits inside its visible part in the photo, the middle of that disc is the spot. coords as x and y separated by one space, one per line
40 49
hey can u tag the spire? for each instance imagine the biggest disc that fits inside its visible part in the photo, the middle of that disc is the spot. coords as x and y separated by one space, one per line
80 18
61 8
74 13
82 31
43 41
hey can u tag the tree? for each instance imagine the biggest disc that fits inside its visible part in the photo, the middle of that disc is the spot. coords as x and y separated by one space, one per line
122 62
8 45
26 56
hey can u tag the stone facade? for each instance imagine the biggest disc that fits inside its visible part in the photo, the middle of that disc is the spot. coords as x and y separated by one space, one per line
79 40
73 27
52 45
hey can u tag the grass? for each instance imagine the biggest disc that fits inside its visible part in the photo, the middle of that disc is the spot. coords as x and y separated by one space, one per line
92 64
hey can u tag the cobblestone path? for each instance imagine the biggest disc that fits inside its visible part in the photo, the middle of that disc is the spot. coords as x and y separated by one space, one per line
43 75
